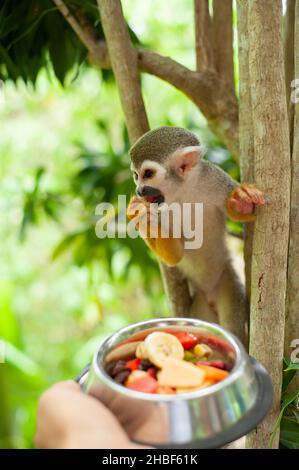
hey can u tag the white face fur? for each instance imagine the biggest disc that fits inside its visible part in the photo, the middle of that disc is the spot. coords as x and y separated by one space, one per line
173 178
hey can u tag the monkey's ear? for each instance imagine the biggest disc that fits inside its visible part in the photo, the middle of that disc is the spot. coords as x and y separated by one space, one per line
186 158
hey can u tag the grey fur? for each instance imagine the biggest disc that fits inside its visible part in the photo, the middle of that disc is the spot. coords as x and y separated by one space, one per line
159 143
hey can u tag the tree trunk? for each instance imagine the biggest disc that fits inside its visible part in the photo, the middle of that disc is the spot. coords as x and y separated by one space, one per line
272 175
292 309
245 127
289 29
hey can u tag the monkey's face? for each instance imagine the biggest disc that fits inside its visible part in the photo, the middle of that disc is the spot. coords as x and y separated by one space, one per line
149 180
170 180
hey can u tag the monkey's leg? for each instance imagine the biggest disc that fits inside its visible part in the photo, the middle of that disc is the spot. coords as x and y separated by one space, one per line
202 309
232 304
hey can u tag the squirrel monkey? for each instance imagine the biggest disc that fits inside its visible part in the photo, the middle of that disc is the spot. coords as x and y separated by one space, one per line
168 167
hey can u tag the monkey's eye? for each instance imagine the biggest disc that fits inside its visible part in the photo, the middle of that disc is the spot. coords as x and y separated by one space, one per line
148 174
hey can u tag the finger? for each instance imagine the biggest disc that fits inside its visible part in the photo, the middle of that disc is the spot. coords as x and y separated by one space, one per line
66 385
255 194
241 206
261 200
241 194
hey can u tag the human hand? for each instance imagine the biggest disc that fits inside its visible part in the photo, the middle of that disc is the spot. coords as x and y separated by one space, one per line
69 419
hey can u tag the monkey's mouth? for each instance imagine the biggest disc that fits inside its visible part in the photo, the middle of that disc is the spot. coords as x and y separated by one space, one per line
151 195
155 199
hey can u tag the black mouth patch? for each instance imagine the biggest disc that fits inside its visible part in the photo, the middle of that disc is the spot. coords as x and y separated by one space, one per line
151 195
155 199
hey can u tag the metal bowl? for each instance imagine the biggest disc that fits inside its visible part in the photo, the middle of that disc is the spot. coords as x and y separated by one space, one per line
207 418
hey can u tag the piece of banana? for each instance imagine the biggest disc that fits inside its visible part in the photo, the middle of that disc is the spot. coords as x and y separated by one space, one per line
160 346
141 352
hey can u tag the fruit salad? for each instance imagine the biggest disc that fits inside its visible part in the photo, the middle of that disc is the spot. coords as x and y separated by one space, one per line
170 362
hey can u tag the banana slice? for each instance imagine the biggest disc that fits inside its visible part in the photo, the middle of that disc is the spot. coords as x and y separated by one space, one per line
160 346
141 351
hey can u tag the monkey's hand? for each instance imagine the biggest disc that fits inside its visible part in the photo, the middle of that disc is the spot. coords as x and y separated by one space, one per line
170 250
242 201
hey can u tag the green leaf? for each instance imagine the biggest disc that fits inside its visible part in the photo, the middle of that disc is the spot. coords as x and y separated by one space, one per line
296 415
51 207
286 402
64 245
292 366
37 179
58 59
289 433
289 372
11 66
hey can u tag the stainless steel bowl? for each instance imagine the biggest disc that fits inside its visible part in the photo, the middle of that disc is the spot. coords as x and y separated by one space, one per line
208 418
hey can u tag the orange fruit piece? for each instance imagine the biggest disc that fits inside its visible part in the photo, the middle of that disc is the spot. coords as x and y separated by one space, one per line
213 373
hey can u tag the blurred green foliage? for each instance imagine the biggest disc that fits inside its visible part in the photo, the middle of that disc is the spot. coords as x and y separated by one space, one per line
64 150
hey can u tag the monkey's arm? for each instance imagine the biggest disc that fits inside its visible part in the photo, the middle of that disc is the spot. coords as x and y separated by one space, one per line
169 250
236 200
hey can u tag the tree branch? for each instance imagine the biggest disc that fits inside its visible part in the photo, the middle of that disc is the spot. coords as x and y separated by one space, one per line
86 34
202 23
124 64
218 104
123 58
246 127
222 28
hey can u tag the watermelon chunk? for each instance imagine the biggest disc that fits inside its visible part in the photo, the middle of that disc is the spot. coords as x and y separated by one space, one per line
146 384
